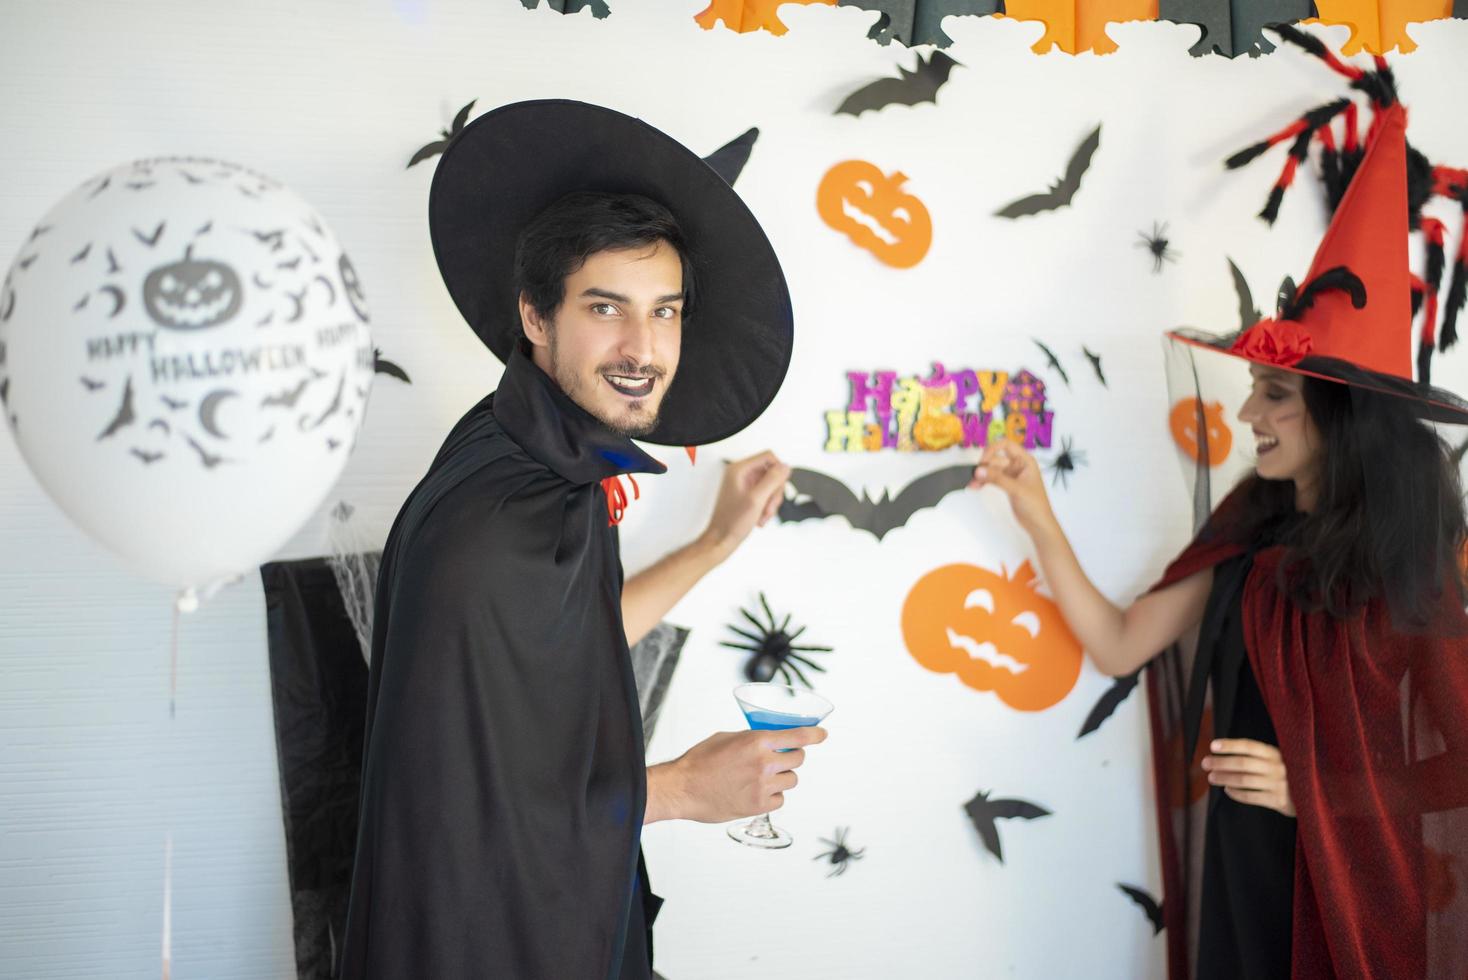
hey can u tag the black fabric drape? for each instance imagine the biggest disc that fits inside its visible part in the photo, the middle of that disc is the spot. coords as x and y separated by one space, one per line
318 686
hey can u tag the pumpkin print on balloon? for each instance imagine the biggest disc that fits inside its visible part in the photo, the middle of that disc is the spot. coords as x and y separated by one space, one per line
994 632
1184 421
871 208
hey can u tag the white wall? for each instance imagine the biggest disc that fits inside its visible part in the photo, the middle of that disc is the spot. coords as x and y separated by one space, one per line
332 98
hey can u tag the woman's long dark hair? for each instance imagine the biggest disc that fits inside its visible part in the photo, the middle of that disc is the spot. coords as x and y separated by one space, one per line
1388 521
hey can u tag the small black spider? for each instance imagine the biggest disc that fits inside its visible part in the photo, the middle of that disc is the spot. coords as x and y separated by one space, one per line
1158 245
774 648
1065 463
839 854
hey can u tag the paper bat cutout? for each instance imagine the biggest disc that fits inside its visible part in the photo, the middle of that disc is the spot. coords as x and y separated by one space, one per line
983 812
1232 27
1249 314
599 8
446 136
145 456
744 16
1079 25
91 384
1148 904
1378 26
1063 191
125 415
1120 689
728 160
173 404
382 365
829 496
914 22
1095 360
918 85
1053 362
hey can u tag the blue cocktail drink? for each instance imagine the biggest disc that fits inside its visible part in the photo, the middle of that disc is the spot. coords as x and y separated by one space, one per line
775 707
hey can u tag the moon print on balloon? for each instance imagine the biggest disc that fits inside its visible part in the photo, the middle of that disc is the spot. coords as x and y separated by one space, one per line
231 309
352 286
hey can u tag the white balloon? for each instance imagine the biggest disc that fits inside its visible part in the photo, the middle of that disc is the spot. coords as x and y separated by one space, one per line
185 359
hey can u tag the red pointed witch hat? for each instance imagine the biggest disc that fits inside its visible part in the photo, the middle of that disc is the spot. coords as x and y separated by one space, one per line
1351 319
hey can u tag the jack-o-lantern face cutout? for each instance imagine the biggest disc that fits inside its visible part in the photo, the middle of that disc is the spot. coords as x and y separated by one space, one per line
1186 420
352 286
192 294
871 209
996 633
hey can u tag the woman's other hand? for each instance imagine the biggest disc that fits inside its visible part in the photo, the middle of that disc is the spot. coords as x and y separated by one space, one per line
1250 772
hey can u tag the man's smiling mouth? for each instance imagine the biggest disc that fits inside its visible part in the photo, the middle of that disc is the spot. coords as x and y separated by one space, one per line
630 387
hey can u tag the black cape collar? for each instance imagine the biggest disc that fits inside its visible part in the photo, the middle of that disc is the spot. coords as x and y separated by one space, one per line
558 433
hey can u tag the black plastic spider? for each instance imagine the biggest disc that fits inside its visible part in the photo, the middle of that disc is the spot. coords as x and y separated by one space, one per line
774 648
839 854
1065 463
1158 245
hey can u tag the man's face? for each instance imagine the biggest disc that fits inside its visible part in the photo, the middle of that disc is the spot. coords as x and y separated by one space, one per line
613 343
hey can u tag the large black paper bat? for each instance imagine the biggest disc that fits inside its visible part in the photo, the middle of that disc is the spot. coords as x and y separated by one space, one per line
1121 688
729 160
446 136
828 496
984 812
920 84
1063 190
913 22
1233 27
1149 905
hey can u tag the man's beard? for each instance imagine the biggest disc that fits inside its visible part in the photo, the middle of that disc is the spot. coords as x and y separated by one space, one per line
572 386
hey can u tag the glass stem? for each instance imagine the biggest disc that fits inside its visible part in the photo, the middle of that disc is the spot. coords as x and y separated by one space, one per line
760 827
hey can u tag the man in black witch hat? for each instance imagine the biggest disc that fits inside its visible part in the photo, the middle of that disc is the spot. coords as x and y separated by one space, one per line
503 786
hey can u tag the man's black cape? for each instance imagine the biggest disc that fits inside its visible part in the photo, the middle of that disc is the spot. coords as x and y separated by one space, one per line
503 781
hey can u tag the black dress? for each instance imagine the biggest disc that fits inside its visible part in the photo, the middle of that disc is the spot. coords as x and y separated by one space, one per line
1248 851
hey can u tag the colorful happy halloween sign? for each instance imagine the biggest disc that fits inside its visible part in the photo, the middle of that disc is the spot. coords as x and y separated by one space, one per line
947 409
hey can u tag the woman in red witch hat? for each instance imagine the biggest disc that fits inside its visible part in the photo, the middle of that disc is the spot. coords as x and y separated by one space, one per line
1317 620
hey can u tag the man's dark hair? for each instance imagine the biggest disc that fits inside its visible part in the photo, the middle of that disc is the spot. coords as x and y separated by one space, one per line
560 239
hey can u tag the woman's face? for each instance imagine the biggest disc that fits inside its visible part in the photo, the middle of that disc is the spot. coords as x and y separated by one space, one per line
1286 440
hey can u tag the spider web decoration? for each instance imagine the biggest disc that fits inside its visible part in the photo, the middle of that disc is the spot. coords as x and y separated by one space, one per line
1065 463
774 648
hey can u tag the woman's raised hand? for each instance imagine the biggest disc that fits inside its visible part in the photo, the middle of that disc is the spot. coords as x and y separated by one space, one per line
1017 473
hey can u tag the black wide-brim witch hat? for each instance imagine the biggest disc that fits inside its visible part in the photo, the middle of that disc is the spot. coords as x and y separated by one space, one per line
513 162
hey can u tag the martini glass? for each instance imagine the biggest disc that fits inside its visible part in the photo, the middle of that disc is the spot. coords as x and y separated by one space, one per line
774 707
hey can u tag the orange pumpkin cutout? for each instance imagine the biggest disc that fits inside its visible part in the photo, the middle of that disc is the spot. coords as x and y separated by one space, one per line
1180 795
1184 425
872 210
995 632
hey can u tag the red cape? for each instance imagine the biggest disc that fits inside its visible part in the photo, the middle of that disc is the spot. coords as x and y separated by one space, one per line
1373 730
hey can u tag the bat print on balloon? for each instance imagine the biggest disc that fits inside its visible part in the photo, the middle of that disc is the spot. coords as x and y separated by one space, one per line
947 409
225 323
994 632
871 208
